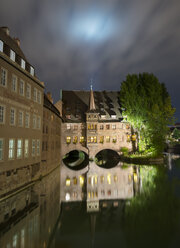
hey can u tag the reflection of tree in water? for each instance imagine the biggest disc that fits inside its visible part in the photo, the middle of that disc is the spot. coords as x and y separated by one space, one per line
152 217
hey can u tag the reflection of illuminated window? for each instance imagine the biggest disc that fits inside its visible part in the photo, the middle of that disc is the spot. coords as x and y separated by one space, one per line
115 178
109 192
81 180
102 179
68 182
89 195
92 194
113 126
81 139
135 177
109 178
107 138
102 192
75 195
67 197
101 139
68 139
129 178
89 180
75 139
75 180
95 179
96 194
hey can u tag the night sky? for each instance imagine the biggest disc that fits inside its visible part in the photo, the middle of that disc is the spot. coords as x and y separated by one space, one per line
71 41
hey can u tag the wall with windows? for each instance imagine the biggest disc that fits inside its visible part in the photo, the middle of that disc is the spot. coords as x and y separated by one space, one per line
21 114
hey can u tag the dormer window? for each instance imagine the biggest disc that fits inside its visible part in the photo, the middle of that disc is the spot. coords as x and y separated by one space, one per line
1 46
113 116
103 117
23 63
12 55
31 70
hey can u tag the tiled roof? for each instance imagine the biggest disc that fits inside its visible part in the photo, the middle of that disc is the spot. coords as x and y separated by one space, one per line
76 104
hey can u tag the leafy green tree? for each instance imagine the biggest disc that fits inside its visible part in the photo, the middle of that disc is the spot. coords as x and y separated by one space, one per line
147 106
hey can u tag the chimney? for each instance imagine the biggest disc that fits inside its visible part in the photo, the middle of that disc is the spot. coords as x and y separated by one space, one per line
6 30
49 96
17 40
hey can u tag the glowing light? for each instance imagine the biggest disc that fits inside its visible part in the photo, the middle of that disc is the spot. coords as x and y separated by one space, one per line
67 197
81 180
109 178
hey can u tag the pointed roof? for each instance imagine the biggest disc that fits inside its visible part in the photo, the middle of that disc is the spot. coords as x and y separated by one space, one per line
91 102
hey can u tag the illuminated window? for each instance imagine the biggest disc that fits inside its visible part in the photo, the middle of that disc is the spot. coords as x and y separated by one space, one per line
102 179
68 182
89 126
92 139
113 126
92 194
3 81
115 178
75 139
31 70
107 139
14 83
95 180
19 148
129 178
101 139
114 140
128 138
109 178
68 126
1 46
26 148
81 139
75 180
89 194
12 55
95 139
133 137
135 177
23 63
81 180
113 116
68 139
11 148
67 197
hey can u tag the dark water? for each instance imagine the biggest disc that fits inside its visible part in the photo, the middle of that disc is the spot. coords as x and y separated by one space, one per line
125 206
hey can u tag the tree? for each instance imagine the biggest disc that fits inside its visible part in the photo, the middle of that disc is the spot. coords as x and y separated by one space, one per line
147 106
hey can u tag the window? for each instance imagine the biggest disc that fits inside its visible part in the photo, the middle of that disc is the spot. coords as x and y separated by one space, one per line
113 116
11 148
14 83
1 149
35 95
2 114
38 122
12 116
23 63
68 182
115 178
19 148
101 127
68 126
38 147
33 147
12 55
107 139
31 70
102 179
114 139
1 46
21 87
109 178
3 77
81 181
113 126
26 148
101 140
68 139
34 121
81 139
28 91
75 180
108 126
39 97
92 139
20 118
75 127
27 120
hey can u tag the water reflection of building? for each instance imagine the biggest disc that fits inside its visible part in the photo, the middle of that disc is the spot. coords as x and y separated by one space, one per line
27 219
94 184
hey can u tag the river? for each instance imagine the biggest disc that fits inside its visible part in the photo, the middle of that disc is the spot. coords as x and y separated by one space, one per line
124 206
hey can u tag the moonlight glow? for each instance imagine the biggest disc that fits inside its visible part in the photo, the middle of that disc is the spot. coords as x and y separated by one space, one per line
92 28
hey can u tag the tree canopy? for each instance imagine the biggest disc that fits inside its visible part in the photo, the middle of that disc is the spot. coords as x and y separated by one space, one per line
147 106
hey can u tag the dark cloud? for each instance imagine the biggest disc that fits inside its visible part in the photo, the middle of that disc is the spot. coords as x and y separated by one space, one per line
133 36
